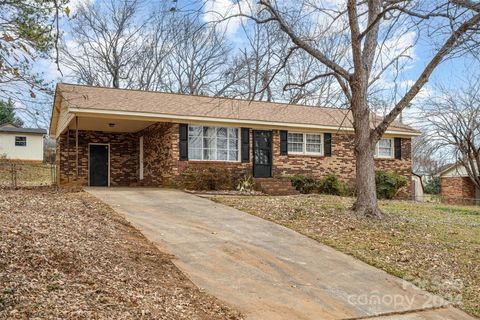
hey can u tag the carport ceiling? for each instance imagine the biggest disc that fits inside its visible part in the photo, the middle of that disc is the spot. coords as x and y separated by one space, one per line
109 124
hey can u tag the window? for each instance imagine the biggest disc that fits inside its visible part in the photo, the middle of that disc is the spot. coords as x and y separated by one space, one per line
295 142
384 148
20 141
305 143
212 143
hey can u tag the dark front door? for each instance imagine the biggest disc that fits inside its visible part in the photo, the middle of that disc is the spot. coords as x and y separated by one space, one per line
262 154
98 165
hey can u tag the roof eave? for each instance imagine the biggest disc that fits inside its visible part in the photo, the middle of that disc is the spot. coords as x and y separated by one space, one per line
172 117
57 100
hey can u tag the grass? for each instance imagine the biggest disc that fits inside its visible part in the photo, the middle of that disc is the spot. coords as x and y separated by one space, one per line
26 174
435 246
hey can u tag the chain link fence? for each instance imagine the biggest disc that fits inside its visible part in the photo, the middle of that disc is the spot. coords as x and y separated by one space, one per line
15 174
436 198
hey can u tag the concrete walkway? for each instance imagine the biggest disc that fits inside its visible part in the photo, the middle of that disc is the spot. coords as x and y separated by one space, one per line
265 270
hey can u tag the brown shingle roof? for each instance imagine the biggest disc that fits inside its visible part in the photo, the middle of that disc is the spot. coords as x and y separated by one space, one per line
109 99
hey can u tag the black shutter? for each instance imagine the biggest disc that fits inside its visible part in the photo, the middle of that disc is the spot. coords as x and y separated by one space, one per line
245 137
283 142
183 141
327 144
397 142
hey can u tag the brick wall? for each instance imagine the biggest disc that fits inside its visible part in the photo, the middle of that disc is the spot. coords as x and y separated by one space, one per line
123 157
341 163
457 190
160 154
162 165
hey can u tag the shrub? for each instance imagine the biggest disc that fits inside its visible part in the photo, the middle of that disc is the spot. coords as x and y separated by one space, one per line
432 186
206 178
303 183
245 184
331 184
389 183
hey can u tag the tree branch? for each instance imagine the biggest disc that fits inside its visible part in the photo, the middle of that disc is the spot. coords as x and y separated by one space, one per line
424 76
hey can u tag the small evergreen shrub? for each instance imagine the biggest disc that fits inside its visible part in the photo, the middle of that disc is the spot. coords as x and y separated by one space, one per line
304 184
389 183
432 186
331 184
206 178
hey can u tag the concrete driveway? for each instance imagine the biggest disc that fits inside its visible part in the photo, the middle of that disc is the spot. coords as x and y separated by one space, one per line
265 270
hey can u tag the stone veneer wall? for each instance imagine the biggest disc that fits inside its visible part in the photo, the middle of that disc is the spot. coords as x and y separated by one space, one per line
457 190
162 165
123 157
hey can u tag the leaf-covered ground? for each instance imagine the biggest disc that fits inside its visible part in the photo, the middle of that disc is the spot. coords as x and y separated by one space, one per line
67 255
435 246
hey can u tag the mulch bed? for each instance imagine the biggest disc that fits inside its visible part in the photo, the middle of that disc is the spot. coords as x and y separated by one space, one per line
68 255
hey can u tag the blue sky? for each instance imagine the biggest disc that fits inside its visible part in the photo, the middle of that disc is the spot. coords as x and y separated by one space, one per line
452 73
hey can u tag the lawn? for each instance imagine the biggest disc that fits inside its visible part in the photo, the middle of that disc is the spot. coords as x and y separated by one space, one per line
66 255
26 174
435 246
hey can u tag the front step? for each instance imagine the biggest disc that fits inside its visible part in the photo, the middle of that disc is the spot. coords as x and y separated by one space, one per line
275 186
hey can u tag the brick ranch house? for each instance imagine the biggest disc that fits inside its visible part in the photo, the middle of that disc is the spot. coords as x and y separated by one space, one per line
457 187
118 137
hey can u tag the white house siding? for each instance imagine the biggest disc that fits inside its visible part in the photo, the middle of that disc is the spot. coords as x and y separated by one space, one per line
33 151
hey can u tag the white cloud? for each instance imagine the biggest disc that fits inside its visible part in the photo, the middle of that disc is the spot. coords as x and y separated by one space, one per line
74 5
218 10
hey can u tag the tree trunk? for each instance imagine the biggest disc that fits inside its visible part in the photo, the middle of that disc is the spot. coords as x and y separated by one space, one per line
366 203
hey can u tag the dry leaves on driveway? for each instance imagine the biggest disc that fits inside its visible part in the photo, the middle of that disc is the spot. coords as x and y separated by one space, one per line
68 255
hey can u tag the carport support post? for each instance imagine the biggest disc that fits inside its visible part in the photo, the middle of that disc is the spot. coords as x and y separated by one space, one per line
76 146
68 153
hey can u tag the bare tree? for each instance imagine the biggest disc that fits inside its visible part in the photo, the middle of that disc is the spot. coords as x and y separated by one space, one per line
371 30
453 122
150 69
427 157
198 58
105 40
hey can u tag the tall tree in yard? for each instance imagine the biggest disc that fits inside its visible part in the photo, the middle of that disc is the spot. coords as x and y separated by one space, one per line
7 114
106 41
27 31
453 123
374 32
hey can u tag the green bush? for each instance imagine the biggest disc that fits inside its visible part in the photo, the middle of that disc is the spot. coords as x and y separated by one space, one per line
206 178
331 184
303 183
432 186
389 183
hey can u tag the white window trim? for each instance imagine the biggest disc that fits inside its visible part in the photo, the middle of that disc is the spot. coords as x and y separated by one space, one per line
392 149
305 152
228 147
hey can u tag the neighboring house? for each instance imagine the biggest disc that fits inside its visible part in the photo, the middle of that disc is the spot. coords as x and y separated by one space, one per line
118 137
24 144
457 187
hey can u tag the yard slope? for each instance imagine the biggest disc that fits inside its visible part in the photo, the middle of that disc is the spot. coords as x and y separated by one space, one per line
68 255
435 246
